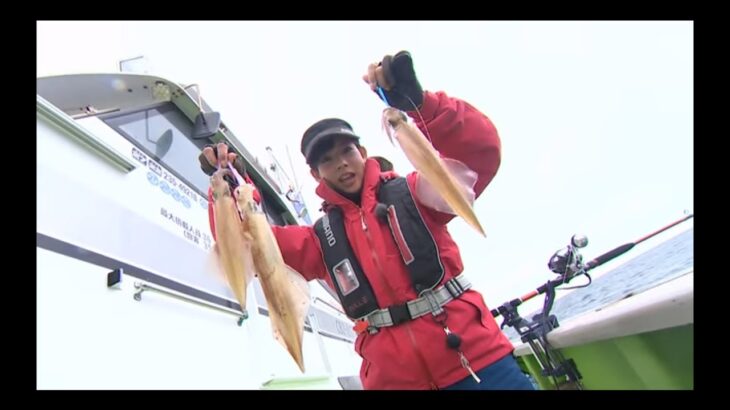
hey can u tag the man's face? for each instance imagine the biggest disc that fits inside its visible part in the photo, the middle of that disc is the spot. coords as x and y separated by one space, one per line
342 166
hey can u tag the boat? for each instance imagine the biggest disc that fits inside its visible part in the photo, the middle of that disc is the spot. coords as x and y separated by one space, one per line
643 340
125 294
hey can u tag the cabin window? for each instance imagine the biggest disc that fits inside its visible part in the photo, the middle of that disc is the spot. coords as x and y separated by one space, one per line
164 133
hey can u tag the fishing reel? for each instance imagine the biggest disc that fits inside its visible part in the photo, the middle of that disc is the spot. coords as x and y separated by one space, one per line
568 262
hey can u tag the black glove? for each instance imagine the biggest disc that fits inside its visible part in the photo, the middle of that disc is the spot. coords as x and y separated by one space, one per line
210 169
399 73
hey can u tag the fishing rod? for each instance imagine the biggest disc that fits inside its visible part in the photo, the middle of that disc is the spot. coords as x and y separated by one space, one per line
563 260
568 263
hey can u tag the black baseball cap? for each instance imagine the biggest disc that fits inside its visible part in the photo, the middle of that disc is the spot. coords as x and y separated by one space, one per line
323 130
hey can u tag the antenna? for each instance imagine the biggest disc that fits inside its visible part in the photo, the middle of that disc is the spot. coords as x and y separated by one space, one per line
281 177
293 193
291 166
276 167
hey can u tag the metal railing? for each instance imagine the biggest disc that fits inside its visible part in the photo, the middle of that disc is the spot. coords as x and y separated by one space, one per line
142 287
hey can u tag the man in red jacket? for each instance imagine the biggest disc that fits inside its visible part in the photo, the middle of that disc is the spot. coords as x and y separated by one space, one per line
387 252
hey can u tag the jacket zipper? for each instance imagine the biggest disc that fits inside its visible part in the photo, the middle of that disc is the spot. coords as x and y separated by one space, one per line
429 376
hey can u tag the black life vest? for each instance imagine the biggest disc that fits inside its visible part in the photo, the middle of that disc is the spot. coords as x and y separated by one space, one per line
415 243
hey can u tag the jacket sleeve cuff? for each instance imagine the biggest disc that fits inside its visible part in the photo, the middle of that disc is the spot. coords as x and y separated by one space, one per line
428 108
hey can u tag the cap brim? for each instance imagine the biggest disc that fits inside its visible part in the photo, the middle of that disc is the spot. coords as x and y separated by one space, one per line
326 135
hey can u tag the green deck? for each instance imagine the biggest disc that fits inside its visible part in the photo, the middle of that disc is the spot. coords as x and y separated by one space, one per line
658 360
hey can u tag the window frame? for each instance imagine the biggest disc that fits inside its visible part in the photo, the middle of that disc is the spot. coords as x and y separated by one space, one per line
162 107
